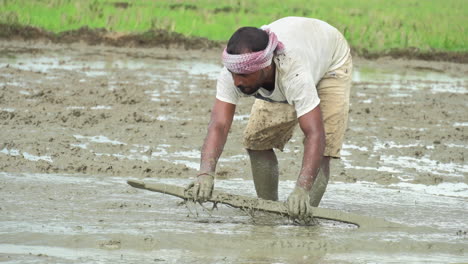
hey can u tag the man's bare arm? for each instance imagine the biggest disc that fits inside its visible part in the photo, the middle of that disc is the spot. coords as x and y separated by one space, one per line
314 145
222 115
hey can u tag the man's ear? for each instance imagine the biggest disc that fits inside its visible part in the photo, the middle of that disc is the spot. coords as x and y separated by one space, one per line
268 68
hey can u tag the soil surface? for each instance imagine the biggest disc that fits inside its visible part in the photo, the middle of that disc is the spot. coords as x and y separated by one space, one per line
77 121
133 111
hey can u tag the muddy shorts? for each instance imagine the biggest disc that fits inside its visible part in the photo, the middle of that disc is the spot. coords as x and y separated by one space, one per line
271 125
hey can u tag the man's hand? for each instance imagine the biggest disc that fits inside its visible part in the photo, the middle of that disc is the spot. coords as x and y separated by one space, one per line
298 204
202 187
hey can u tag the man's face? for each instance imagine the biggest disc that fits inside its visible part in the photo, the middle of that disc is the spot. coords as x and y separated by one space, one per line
250 83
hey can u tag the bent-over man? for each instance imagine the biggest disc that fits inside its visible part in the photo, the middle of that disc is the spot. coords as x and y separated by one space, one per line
299 71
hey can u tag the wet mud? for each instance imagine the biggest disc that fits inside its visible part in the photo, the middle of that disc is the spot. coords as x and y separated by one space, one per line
78 121
91 219
144 112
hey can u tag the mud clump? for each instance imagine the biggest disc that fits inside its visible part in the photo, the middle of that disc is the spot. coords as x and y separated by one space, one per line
415 53
150 38
168 39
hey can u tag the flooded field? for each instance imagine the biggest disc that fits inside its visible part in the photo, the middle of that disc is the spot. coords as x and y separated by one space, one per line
78 121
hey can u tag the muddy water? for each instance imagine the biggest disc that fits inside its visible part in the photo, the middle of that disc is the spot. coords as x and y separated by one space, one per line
78 121
88 219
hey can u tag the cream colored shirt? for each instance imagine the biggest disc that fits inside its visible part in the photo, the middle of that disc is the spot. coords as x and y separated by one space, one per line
312 48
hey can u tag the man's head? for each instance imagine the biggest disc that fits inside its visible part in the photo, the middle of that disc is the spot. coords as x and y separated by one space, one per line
247 39
248 56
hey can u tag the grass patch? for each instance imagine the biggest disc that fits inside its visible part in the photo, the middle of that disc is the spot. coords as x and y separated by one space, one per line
370 26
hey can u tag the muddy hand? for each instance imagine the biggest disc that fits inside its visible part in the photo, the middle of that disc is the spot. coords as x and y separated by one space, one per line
202 187
298 204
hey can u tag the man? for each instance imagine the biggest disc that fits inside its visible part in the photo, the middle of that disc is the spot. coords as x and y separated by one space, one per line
299 69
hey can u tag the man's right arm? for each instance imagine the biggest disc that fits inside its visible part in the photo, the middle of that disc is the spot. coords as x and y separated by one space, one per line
218 129
222 115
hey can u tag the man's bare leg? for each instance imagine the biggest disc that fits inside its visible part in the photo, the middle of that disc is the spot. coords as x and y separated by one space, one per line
265 173
320 183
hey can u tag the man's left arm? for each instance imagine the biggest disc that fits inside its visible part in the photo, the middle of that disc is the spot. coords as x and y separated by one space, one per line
311 125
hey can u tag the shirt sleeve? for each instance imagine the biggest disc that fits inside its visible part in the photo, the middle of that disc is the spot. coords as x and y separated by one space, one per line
226 91
301 92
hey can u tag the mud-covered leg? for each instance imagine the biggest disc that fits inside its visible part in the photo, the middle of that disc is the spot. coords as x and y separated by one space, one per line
265 173
320 183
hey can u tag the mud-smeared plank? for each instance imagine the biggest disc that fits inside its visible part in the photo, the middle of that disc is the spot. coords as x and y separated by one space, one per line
251 203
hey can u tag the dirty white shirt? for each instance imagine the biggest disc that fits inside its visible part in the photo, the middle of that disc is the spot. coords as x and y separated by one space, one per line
312 48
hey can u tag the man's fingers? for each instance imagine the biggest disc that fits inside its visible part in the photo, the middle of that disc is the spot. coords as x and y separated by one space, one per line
196 189
205 192
306 210
189 190
293 209
298 208
309 216
302 209
190 185
203 195
201 188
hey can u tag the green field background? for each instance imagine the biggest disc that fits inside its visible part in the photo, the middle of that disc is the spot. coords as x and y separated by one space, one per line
369 25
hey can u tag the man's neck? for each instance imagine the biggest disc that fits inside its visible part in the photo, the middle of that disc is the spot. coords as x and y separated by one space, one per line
269 84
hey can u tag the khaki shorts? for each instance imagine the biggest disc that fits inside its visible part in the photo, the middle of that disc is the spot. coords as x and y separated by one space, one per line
271 125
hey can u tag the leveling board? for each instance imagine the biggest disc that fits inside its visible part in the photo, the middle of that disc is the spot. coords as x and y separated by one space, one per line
251 203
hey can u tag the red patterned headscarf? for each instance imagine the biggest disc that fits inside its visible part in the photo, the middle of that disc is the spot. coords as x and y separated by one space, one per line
254 61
